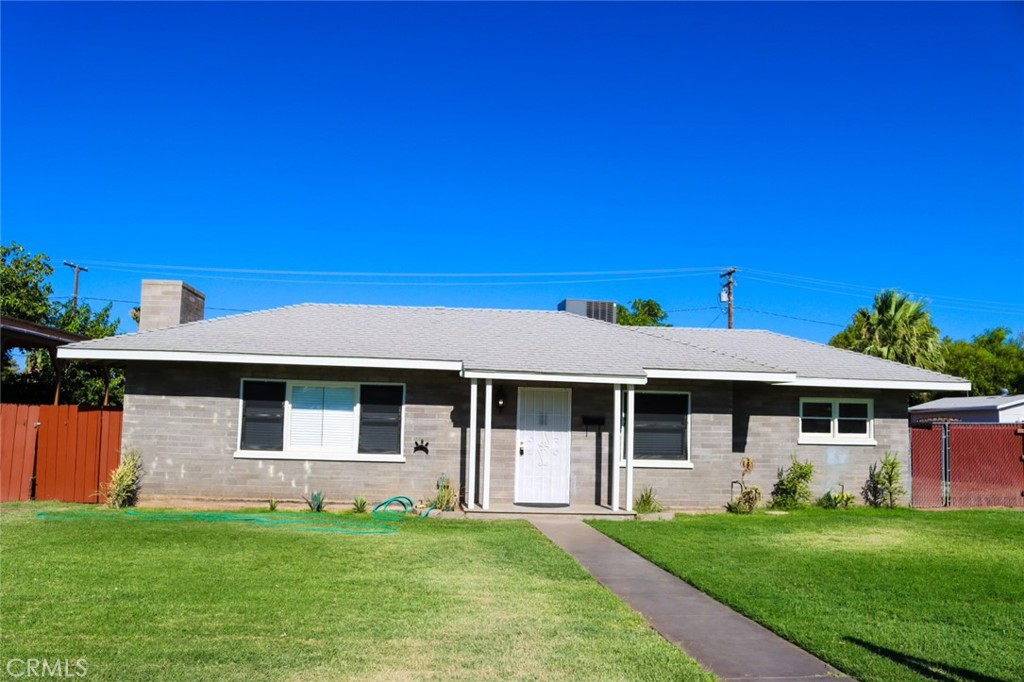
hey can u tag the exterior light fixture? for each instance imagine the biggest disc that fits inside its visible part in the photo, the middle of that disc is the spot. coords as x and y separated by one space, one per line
499 398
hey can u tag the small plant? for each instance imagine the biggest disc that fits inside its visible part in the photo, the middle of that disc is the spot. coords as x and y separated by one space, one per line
885 483
272 504
746 502
840 500
750 496
447 498
360 504
793 489
647 502
316 501
123 488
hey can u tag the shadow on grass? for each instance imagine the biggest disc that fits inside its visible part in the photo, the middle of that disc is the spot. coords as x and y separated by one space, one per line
922 666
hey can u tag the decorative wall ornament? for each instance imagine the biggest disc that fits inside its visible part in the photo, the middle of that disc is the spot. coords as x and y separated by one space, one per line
421 446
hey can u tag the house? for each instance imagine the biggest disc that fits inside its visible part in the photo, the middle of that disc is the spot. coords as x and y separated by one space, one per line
987 409
519 407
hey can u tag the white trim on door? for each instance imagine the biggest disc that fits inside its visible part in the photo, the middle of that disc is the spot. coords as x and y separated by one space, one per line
524 439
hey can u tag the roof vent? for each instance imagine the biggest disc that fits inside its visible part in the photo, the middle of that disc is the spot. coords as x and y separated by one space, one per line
606 311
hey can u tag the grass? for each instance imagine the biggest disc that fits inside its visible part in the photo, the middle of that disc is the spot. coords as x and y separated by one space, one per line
185 600
886 596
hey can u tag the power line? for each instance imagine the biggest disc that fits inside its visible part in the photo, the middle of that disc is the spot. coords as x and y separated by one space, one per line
435 275
791 317
121 300
996 306
428 284
690 310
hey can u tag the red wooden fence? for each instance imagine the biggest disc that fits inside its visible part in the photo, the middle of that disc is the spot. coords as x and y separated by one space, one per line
967 465
72 451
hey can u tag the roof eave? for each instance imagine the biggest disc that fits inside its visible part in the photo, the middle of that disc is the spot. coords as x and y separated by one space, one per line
86 353
886 384
719 375
507 375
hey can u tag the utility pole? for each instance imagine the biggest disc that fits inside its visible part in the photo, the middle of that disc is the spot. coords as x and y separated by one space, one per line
728 290
78 269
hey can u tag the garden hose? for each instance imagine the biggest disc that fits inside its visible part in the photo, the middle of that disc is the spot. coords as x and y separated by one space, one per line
320 524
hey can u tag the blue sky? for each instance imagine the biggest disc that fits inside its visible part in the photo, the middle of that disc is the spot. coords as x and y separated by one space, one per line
843 147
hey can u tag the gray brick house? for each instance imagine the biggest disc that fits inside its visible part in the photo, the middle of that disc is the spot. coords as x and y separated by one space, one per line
519 407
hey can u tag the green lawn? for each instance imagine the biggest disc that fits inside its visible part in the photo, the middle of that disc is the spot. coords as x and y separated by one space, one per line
884 596
183 599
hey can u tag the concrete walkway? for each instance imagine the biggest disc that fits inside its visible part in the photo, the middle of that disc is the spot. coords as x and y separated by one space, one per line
730 645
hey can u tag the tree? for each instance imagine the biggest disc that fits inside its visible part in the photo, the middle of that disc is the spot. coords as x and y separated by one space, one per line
896 328
992 360
26 294
644 313
24 290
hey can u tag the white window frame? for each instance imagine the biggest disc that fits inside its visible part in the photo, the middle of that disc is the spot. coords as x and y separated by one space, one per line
320 454
834 437
666 463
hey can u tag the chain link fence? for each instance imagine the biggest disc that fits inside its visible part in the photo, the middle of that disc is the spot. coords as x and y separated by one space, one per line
955 464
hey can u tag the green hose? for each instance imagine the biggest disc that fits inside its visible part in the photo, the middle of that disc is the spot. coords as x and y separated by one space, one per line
318 525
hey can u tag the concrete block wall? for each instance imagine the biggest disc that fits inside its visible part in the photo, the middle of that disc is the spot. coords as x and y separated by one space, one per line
185 419
167 303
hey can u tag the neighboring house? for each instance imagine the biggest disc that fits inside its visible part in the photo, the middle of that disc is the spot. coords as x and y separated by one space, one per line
516 406
987 409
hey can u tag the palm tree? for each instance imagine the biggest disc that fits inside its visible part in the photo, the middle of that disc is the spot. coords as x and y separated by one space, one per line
897 328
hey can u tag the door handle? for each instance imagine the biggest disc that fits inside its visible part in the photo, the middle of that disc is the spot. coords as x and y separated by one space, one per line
521 449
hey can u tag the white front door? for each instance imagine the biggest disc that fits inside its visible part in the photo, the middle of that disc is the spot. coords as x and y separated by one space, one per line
542 446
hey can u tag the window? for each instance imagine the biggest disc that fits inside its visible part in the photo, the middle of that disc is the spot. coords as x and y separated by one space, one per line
262 415
321 420
661 428
836 420
380 419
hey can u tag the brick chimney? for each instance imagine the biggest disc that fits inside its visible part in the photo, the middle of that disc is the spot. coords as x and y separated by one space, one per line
168 303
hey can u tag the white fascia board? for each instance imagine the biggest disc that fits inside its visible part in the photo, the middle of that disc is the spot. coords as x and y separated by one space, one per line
254 359
767 377
560 378
880 384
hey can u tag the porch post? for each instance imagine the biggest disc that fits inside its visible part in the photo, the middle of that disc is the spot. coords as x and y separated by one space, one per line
616 453
471 447
630 407
485 473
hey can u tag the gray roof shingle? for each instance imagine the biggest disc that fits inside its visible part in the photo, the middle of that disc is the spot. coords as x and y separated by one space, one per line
495 340
981 402
806 358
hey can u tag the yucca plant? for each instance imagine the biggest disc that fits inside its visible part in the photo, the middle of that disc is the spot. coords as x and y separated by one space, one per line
272 504
360 504
316 501
123 488
647 502
447 498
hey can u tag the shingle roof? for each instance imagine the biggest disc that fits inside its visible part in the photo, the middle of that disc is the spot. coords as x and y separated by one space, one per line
983 402
494 340
806 358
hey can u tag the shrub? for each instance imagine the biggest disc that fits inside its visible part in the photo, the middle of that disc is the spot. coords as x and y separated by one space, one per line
793 489
885 483
447 498
272 503
747 501
842 500
316 501
647 502
125 481
360 504
750 496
